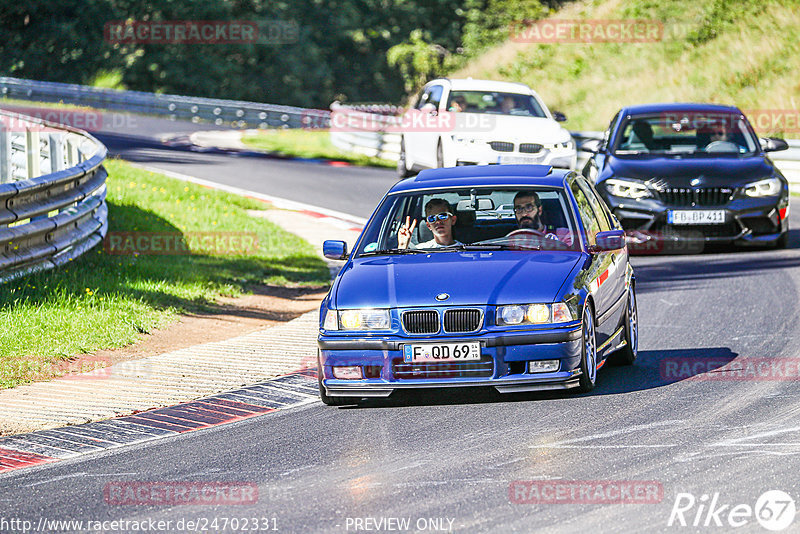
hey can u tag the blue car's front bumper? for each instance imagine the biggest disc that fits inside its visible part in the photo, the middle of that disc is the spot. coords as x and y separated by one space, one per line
503 364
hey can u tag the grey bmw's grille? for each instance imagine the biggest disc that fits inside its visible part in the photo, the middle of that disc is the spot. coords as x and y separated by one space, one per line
530 148
462 320
421 321
692 196
502 146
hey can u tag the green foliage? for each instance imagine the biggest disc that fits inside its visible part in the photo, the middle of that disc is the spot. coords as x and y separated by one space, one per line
340 51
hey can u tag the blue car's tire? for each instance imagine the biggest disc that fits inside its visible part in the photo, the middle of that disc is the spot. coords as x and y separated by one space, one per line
628 354
588 365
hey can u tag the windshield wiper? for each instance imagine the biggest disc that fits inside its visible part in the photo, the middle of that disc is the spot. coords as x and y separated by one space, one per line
483 246
394 251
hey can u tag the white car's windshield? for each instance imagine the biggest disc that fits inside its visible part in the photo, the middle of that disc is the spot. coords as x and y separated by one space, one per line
695 134
494 102
473 218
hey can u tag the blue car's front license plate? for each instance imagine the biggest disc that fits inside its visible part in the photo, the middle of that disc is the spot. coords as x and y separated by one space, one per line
442 352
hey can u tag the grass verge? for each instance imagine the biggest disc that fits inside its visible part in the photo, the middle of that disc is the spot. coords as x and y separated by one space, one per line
308 144
104 300
725 51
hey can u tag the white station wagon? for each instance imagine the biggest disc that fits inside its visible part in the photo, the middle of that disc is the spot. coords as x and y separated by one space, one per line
482 122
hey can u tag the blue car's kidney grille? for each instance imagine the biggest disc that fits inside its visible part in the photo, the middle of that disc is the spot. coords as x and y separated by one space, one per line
483 368
692 196
421 321
466 320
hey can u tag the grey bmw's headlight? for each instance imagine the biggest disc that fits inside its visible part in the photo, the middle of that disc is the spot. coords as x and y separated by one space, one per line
763 188
619 187
364 319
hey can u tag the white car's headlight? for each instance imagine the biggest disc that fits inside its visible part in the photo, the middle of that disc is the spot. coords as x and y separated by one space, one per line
763 188
365 319
463 140
627 188
519 314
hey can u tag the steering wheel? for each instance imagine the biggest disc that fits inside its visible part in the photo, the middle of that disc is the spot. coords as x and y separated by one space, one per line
526 231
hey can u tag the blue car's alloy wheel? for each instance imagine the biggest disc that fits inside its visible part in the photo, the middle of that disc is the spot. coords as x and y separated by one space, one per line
588 352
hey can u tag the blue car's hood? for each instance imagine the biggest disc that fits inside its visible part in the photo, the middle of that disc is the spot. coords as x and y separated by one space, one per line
679 172
470 278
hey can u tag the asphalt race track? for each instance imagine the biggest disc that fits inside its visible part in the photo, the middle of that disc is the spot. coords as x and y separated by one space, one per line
470 461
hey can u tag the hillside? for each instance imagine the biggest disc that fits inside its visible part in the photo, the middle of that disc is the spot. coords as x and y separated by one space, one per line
730 52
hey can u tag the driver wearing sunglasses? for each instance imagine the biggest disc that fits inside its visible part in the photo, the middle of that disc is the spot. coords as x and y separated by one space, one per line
440 222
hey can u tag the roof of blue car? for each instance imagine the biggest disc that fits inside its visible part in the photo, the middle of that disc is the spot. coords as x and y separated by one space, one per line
644 109
484 175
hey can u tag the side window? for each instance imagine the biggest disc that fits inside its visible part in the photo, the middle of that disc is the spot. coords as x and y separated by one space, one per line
422 99
590 222
607 133
435 95
597 205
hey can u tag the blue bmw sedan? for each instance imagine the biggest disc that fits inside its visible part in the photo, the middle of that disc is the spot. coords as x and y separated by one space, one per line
690 174
508 276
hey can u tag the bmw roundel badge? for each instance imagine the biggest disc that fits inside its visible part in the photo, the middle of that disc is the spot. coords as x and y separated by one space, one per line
442 296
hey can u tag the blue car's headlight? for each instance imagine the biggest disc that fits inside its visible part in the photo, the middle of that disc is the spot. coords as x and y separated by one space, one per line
619 187
769 187
363 319
520 314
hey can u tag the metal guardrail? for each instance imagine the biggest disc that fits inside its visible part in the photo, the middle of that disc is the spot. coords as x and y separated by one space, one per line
376 141
52 194
234 113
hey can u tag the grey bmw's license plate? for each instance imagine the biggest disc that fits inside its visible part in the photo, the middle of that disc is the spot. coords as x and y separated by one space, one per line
696 217
442 352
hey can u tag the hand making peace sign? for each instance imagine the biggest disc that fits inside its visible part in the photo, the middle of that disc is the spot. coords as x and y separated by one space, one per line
404 234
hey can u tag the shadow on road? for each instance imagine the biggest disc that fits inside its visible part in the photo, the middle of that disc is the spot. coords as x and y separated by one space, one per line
653 369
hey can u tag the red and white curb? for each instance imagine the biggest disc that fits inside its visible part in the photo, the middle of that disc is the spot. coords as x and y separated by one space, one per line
47 446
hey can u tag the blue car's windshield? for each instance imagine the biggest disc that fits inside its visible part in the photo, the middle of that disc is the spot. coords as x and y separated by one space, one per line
685 134
455 219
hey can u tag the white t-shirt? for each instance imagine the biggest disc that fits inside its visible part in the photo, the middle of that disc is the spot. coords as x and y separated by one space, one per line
433 244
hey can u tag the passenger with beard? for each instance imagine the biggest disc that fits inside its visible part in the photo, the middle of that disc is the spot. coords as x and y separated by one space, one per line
528 212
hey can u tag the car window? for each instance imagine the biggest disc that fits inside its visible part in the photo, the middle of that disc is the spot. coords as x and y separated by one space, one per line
494 102
435 95
590 220
686 133
597 205
480 215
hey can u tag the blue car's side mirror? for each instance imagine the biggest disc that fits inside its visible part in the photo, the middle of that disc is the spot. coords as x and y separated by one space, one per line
334 250
611 240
